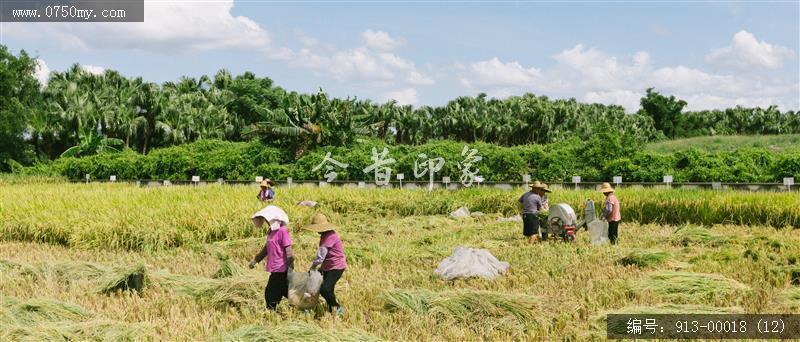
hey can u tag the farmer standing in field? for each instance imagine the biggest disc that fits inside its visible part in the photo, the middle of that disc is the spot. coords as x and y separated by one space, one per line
331 258
611 212
531 202
278 251
266 193
545 191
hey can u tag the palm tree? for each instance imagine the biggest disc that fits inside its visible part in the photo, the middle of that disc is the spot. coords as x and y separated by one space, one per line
309 120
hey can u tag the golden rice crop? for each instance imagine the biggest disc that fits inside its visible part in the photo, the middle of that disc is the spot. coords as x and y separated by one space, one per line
118 216
61 243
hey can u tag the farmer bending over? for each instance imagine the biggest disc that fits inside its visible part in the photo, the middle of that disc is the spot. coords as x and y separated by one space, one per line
531 202
278 251
331 256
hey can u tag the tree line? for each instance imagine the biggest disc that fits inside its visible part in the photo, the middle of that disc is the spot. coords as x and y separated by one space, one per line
78 113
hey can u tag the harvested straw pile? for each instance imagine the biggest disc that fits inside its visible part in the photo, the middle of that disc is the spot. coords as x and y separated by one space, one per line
789 273
14 311
644 258
48 320
125 278
295 331
70 271
10 268
464 306
694 288
96 330
695 235
789 300
227 268
219 293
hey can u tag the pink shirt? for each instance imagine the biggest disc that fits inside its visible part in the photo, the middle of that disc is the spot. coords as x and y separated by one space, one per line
615 215
277 241
335 259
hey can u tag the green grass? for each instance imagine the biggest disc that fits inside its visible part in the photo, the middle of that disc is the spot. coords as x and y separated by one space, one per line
776 143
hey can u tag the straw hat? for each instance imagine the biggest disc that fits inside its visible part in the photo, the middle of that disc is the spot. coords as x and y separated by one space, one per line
538 185
545 188
606 188
319 224
266 182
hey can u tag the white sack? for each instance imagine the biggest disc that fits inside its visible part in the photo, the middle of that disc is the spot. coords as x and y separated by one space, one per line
598 232
470 262
460 213
304 289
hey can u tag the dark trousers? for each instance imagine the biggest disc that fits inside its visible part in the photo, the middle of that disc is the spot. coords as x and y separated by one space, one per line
277 288
613 228
530 224
329 279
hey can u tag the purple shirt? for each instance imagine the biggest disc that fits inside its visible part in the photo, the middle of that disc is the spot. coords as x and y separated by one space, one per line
266 194
331 251
277 241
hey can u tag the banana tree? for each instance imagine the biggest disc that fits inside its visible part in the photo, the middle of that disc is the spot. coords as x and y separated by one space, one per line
92 143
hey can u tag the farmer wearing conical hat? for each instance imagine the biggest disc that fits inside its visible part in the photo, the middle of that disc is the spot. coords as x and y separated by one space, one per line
266 193
331 258
611 212
531 203
278 251
545 191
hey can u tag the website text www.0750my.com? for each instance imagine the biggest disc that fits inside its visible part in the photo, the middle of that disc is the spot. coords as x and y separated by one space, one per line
67 12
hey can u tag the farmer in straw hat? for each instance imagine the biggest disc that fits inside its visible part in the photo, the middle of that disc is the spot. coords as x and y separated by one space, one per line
545 203
331 258
531 202
611 212
266 193
278 251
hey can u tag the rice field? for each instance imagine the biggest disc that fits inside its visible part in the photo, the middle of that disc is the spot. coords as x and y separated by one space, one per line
116 262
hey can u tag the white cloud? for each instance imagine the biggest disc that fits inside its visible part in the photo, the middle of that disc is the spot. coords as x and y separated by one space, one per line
380 40
625 98
594 76
93 69
688 80
306 40
406 96
746 51
591 68
370 63
495 72
173 26
641 58
417 78
42 71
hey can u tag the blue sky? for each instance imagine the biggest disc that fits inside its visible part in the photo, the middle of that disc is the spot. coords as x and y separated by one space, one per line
713 55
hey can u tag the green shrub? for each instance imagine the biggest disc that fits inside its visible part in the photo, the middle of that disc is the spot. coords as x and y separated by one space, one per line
593 160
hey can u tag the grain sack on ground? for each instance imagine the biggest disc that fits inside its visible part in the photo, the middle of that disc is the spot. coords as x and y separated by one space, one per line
470 262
